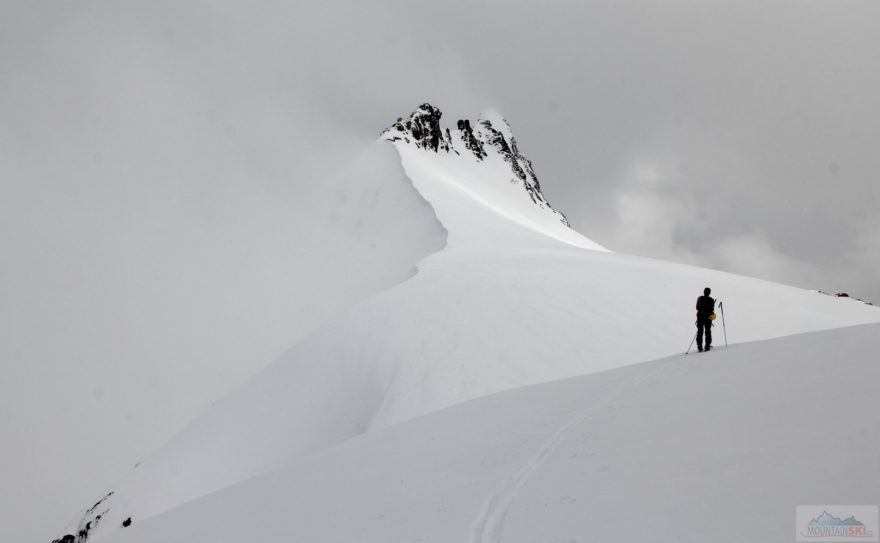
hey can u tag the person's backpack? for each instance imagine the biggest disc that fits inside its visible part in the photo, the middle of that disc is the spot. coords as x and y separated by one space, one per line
705 306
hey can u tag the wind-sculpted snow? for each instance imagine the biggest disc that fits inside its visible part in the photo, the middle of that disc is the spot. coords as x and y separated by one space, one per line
515 298
717 447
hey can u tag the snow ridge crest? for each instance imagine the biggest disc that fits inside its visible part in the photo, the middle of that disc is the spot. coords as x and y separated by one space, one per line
490 135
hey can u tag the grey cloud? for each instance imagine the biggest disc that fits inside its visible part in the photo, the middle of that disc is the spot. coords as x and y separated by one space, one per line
760 121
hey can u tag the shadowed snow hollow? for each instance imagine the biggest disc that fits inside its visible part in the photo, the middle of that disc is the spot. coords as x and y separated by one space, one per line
516 298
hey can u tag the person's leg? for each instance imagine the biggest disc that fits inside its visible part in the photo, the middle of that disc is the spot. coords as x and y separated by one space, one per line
708 335
700 336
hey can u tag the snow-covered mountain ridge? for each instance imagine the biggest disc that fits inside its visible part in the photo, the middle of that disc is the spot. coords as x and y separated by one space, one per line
492 136
501 176
515 298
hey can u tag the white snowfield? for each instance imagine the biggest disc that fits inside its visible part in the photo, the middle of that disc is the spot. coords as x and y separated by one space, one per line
716 447
515 299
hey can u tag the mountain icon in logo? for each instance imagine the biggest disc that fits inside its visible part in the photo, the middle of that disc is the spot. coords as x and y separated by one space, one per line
828 520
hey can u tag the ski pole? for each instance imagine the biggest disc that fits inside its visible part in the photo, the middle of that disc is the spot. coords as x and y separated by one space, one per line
692 343
723 324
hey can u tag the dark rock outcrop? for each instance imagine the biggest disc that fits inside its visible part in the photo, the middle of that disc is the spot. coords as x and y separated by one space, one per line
88 523
422 128
471 143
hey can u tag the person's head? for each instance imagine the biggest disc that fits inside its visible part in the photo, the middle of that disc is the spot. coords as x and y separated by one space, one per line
707 291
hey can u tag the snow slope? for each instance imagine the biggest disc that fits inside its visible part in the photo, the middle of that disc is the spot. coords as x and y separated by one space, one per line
115 338
714 447
516 298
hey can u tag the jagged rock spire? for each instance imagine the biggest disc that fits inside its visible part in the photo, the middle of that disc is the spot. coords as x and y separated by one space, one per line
423 129
491 135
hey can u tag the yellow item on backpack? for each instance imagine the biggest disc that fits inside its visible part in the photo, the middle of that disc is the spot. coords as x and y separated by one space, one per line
712 317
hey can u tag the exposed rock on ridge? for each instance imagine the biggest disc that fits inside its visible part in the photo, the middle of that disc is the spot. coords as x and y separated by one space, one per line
422 129
471 143
89 522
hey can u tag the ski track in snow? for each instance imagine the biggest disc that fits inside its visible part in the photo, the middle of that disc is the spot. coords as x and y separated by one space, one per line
490 523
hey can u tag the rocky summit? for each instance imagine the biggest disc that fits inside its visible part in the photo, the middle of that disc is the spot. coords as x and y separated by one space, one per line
490 135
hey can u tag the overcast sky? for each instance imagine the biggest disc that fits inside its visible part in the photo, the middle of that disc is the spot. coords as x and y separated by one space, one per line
735 135
156 158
